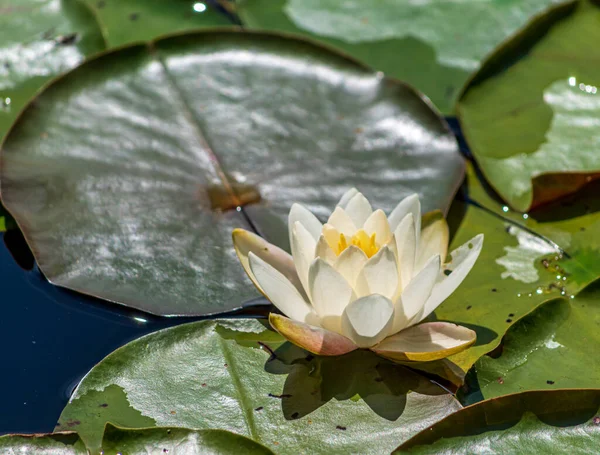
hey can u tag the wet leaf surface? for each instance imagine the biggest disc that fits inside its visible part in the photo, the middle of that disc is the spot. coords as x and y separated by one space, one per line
40 39
440 43
554 347
532 120
177 440
518 269
213 374
43 444
549 422
122 441
124 175
127 21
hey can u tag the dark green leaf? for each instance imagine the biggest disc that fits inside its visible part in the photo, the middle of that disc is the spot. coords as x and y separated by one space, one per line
42 444
533 127
198 376
518 268
120 441
40 39
554 347
433 45
109 405
125 173
126 21
544 422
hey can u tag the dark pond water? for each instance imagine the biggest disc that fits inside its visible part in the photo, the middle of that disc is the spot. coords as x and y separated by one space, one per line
52 337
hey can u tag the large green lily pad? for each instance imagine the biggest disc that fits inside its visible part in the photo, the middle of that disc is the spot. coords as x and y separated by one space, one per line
124 174
548 422
518 269
434 45
554 347
533 127
214 374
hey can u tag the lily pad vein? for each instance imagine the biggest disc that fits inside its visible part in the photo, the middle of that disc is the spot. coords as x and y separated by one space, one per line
203 142
235 379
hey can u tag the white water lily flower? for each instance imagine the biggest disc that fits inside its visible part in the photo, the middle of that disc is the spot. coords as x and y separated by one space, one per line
363 279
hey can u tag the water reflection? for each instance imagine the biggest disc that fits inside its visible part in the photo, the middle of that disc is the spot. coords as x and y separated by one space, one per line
199 7
5 104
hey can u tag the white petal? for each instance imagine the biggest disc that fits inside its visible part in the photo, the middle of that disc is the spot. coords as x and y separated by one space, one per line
350 263
279 290
307 218
427 342
409 204
246 242
323 250
303 252
378 224
359 210
368 320
330 292
346 197
406 245
414 296
341 221
433 240
379 275
314 339
463 259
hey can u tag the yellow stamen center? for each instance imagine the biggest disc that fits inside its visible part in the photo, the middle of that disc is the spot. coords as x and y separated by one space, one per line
361 240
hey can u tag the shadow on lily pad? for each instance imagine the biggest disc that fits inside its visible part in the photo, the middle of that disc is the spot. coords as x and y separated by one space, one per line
314 380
